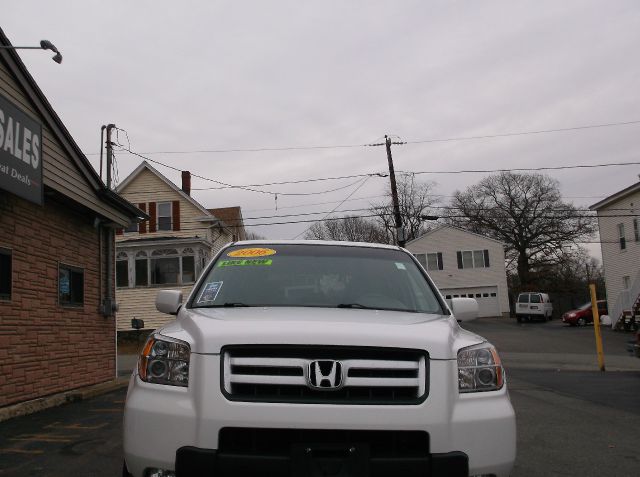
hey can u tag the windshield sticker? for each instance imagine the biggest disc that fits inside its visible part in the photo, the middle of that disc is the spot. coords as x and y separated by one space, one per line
243 263
252 252
210 292
400 266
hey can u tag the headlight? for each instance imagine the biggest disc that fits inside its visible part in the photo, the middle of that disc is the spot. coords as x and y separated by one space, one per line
165 360
479 369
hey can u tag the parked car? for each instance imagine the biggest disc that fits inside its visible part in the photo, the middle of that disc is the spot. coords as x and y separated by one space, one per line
317 358
533 306
584 314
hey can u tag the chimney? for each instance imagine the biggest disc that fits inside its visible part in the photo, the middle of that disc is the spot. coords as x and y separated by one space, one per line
186 182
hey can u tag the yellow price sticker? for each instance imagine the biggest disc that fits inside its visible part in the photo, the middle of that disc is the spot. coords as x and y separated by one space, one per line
252 252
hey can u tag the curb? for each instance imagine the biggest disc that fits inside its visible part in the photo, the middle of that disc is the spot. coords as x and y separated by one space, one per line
73 395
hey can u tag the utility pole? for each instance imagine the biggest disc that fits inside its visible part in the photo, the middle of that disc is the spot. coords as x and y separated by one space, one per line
109 304
109 147
400 235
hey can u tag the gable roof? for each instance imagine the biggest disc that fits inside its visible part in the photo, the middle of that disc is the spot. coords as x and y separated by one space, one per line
445 226
40 102
617 196
145 165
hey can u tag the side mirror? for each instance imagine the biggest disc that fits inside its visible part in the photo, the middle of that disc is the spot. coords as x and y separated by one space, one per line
169 301
464 309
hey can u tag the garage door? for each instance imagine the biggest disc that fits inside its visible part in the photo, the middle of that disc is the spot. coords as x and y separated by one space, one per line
487 298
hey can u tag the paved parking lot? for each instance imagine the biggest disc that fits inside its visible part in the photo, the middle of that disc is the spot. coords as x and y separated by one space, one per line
78 439
572 419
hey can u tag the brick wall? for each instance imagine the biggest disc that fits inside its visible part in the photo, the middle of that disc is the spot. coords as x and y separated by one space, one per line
46 348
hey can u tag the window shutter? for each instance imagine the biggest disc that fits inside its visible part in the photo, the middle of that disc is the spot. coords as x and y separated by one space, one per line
175 215
459 254
486 258
142 226
153 219
440 263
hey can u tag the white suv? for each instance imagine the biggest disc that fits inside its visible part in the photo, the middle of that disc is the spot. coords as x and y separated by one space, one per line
317 358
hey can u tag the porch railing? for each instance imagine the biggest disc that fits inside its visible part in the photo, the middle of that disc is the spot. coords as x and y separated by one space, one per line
625 302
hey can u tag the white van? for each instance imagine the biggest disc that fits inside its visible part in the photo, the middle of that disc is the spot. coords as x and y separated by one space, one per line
533 305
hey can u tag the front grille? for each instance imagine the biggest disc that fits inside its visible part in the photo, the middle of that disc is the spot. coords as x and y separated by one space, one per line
325 374
381 444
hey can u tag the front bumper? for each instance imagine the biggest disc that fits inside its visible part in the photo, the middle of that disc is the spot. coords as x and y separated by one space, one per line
161 420
192 461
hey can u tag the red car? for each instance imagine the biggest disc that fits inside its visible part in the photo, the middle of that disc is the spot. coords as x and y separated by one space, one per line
583 315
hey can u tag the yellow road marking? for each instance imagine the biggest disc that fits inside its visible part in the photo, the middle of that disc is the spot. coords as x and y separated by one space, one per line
57 425
22 451
43 438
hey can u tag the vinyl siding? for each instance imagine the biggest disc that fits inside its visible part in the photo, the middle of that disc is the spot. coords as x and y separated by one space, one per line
450 240
148 187
140 302
59 171
619 263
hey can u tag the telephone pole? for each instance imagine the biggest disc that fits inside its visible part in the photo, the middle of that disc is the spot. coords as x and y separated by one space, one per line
400 235
109 147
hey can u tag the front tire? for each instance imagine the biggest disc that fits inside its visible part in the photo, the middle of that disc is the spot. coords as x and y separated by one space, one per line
581 322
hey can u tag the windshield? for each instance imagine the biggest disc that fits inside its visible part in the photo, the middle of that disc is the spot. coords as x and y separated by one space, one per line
316 276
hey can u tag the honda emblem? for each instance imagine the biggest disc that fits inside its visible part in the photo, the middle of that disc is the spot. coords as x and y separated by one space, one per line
324 374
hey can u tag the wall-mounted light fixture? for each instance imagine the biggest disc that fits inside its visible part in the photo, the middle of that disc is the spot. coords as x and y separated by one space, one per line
44 45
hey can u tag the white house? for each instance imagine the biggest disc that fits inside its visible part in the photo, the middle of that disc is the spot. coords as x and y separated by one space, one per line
465 264
618 221
171 249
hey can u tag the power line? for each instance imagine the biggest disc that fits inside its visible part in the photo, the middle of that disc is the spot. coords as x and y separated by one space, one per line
526 169
251 188
337 206
421 141
525 133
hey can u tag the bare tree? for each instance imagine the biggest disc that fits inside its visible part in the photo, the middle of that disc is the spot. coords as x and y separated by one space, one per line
254 236
416 199
526 212
349 228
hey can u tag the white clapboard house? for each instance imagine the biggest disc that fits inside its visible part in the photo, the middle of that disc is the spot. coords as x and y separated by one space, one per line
465 264
619 225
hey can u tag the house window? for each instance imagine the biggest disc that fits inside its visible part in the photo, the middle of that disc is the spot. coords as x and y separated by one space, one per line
636 230
626 282
168 266
122 270
141 270
430 261
70 285
188 266
623 242
473 259
5 274
165 269
164 216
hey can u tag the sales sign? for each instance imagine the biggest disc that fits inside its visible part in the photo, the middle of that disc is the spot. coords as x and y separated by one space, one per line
20 153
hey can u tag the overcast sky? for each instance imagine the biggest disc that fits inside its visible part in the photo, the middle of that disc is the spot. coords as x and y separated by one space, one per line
213 75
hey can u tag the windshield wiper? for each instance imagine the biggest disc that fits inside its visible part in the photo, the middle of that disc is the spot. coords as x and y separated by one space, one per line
355 305
229 304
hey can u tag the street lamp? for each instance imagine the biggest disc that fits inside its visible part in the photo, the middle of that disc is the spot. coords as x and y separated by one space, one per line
44 45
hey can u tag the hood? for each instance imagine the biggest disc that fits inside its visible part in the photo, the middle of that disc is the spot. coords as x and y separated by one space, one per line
207 330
